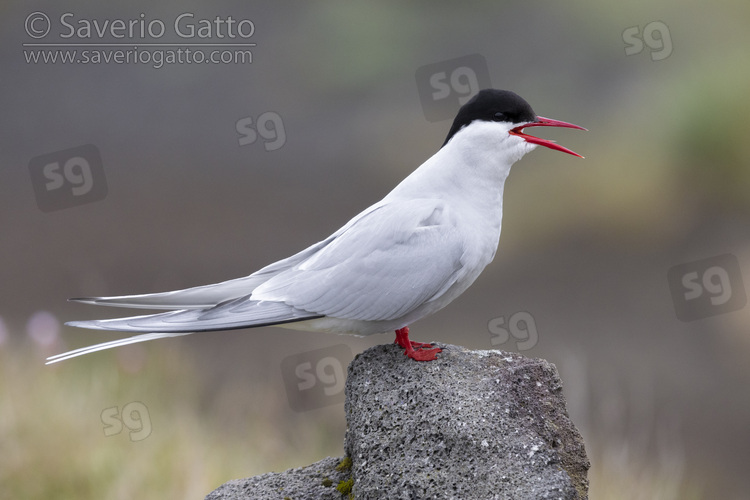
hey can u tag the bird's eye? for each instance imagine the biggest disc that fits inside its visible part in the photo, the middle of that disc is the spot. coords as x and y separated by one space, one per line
500 117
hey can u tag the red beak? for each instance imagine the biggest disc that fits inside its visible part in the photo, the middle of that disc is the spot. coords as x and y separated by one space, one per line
545 122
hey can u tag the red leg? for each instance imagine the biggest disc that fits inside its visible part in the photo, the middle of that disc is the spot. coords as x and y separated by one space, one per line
415 350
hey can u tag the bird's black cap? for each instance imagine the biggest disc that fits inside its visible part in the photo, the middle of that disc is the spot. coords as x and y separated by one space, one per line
492 105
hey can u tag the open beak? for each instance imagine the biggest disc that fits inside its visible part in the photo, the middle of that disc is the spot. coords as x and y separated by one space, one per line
545 122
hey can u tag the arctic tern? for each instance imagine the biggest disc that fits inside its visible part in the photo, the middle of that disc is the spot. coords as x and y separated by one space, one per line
404 258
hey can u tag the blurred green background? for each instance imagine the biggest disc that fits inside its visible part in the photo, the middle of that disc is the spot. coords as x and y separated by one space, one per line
663 404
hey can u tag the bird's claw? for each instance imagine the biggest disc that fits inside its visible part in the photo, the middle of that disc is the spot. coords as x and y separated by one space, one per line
418 351
423 354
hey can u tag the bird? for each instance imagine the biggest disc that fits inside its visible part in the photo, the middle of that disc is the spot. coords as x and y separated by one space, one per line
403 258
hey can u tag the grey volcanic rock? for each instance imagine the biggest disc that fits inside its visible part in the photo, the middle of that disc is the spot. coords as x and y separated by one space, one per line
316 481
470 425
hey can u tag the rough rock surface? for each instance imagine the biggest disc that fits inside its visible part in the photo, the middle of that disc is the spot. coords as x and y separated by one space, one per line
316 481
470 425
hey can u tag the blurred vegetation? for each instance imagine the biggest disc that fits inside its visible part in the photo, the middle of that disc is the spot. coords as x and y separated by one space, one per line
54 445
711 144
53 437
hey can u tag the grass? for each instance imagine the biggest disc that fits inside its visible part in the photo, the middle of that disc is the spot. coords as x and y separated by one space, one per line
54 444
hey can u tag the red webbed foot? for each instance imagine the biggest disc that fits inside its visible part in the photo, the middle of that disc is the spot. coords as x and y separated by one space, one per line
417 351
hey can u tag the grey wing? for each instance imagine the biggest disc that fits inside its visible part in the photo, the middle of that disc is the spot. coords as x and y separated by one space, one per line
201 297
237 313
219 306
392 260
384 263
206 296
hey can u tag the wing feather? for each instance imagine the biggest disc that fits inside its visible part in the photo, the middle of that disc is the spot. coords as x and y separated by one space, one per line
201 297
380 268
238 313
